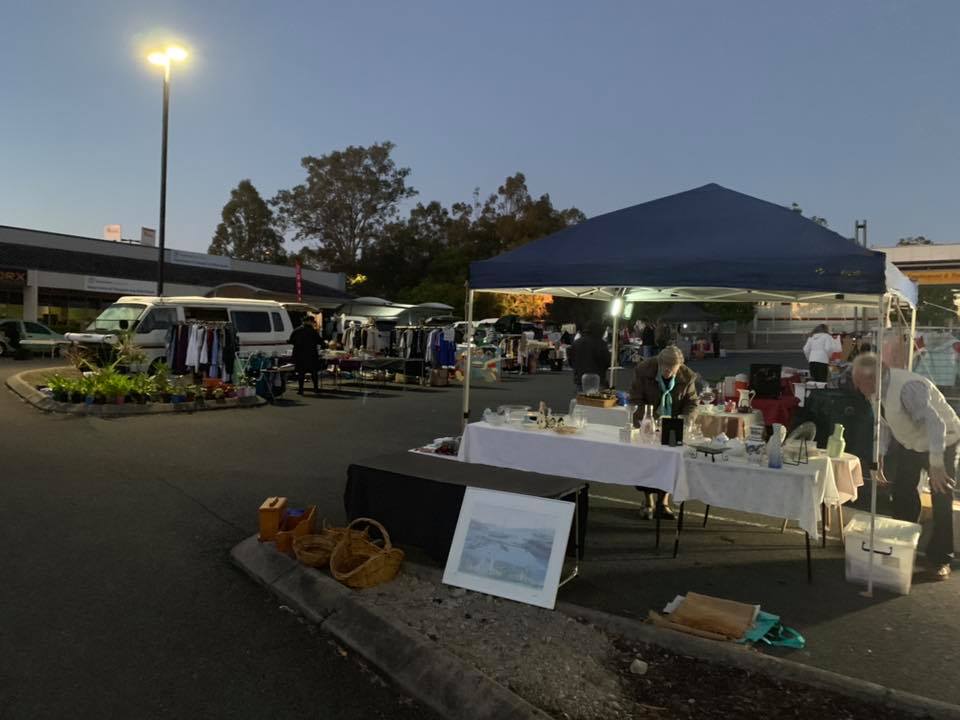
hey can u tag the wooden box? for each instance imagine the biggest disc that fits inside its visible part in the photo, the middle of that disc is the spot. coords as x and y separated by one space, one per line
291 528
601 401
270 514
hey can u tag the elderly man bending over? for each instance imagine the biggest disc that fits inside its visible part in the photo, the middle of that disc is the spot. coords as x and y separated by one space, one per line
919 431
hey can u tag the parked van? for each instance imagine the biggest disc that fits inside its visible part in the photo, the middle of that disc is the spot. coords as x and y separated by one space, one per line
263 326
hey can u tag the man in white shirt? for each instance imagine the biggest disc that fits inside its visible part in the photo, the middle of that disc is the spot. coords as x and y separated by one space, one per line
919 431
819 348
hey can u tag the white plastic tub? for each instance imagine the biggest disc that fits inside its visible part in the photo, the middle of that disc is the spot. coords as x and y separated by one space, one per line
895 547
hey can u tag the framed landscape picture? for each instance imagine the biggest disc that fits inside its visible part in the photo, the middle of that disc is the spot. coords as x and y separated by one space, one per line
510 545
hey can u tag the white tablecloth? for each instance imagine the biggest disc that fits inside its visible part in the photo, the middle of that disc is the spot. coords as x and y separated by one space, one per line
594 455
789 492
597 455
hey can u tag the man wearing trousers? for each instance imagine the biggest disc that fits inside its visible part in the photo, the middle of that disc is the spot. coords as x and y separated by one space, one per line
919 431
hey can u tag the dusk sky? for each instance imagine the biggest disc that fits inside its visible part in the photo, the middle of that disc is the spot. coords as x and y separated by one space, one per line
848 108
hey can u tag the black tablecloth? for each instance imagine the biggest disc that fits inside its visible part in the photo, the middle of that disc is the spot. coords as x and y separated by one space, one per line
418 497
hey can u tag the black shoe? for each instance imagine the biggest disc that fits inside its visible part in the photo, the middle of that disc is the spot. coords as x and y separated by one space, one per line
664 513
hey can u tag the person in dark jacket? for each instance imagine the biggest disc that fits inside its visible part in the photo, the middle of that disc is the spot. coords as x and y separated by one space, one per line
589 354
305 340
715 339
670 387
648 338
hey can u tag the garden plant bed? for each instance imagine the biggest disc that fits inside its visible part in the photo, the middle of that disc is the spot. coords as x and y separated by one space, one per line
30 386
576 671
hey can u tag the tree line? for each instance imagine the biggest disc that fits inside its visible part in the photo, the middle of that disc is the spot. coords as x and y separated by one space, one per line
346 217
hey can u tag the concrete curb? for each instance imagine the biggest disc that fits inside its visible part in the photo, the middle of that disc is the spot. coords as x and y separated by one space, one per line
26 390
744 658
435 677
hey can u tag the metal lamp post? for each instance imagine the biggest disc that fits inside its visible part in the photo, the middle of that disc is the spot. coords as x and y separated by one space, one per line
164 59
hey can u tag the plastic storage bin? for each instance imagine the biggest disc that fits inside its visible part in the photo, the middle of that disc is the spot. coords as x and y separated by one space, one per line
895 546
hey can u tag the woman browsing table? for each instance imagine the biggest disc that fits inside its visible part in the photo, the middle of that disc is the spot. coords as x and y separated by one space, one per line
670 387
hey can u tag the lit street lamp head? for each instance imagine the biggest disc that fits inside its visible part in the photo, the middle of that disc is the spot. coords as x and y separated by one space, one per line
174 52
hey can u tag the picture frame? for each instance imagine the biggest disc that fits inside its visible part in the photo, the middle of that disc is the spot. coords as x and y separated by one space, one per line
510 545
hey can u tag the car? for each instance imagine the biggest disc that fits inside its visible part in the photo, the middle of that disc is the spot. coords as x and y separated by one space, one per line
31 336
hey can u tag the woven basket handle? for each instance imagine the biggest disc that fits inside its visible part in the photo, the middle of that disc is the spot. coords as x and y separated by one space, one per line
370 521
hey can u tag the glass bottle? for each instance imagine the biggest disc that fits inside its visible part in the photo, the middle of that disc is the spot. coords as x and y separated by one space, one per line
648 426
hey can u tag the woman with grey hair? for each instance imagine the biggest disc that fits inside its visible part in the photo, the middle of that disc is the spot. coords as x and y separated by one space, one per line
670 387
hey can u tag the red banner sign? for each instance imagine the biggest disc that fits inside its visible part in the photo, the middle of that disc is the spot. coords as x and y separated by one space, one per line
299 283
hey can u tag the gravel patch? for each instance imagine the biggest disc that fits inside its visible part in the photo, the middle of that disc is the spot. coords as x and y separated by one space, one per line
575 671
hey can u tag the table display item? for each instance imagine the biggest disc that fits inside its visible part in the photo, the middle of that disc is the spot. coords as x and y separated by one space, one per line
648 426
515 414
745 398
894 548
798 442
765 379
590 382
359 563
494 418
775 446
603 400
671 431
510 545
836 444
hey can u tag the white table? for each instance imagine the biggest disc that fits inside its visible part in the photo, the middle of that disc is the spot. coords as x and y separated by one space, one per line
595 454
793 492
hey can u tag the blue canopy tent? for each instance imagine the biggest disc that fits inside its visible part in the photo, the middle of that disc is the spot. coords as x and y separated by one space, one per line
709 244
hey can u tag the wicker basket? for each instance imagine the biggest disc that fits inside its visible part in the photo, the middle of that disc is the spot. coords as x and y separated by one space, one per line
315 550
359 563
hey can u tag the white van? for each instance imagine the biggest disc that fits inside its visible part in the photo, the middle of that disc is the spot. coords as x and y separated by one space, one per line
263 326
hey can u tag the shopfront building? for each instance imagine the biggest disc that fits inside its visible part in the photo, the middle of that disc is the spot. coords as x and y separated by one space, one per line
64 281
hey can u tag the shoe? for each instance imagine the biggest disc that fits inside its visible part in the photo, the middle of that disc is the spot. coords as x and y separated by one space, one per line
646 514
942 572
664 513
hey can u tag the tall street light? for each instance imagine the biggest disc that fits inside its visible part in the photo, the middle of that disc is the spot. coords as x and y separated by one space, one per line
164 59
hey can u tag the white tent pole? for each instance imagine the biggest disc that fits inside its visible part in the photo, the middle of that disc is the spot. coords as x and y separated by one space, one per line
881 325
614 355
468 359
912 338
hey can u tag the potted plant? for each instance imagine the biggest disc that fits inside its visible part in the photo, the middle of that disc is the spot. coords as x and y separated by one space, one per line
59 386
76 389
219 395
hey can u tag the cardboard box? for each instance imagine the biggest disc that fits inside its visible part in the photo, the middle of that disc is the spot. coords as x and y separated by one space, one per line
293 527
271 512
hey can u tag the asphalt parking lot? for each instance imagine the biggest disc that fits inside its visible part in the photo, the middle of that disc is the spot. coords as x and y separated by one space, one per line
118 593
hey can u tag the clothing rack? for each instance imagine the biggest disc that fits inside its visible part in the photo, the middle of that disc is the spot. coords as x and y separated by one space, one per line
202 347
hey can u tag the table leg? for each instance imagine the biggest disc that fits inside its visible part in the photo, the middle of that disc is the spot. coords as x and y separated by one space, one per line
706 514
657 518
823 523
676 541
809 561
783 528
840 520
576 542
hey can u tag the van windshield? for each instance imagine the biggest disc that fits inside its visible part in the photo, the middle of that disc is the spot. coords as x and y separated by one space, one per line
109 320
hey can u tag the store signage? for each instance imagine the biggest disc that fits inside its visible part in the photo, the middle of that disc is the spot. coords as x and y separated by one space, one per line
112 232
11 276
299 282
119 286
185 257
148 236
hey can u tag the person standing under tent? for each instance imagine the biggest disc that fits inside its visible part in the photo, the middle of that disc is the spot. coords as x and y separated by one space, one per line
648 339
818 349
306 358
589 355
919 431
715 339
670 387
